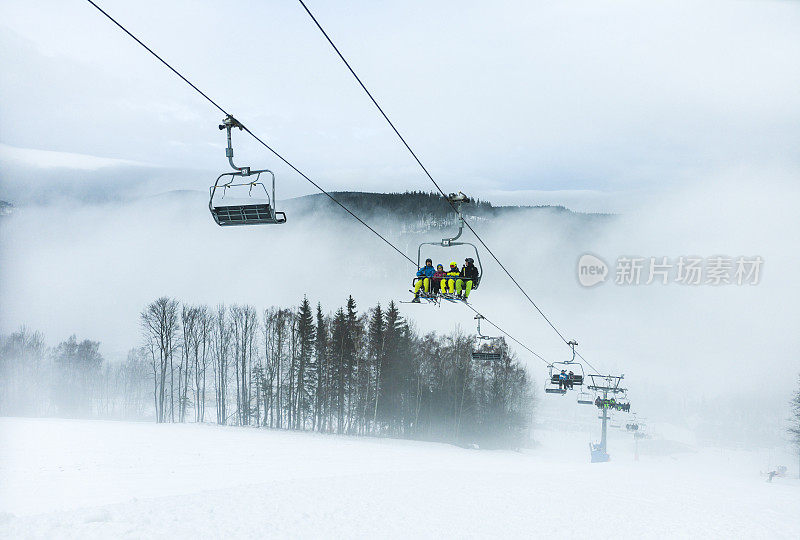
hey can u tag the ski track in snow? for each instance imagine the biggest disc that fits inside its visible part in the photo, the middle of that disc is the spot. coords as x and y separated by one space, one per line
94 479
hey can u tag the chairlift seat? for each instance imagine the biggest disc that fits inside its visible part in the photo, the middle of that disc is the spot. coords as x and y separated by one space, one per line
493 357
555 390
586 402
247 214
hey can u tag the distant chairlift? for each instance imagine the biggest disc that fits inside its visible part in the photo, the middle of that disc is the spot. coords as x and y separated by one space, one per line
494 354
635 425
554 384
239 212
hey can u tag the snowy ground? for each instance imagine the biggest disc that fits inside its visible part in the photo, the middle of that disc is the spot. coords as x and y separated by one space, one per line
79 479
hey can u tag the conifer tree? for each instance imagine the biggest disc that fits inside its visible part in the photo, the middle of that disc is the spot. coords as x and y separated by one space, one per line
337 363
375 344
321 356
306 369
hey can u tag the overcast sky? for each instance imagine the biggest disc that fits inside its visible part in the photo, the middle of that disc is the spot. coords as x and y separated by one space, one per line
549 102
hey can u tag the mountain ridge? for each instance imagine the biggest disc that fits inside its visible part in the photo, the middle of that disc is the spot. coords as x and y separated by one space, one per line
419 204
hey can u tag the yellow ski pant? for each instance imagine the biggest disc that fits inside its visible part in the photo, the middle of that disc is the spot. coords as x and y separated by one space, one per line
460 286
425 282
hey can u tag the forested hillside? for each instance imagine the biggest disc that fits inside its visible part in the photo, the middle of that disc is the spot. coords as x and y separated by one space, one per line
417 210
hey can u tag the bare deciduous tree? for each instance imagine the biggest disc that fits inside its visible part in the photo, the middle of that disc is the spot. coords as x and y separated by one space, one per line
220 351
244 323
159 322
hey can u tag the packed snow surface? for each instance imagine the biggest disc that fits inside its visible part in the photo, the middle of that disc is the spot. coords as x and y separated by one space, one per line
87 479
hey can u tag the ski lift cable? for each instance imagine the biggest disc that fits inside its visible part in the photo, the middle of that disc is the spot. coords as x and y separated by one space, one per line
151 51
214 103
265 145
596 371
427 173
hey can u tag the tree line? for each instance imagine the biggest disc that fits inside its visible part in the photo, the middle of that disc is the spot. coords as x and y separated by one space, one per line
71 379
370 373
794 423
345 372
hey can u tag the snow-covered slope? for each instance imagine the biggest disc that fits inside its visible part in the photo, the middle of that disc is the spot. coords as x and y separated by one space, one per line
71 478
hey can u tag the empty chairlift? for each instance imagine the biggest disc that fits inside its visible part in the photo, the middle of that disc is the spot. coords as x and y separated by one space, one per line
491 351
258 207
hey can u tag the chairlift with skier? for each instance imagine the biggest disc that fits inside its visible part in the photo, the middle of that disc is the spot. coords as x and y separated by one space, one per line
562 376
423 285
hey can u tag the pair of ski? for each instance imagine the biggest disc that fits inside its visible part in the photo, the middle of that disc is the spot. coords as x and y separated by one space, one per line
437 298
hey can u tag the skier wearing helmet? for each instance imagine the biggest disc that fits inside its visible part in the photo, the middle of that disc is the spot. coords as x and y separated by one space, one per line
437 281
469 278
424 276
452 276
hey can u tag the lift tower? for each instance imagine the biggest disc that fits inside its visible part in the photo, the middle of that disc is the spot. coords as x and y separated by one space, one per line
605 384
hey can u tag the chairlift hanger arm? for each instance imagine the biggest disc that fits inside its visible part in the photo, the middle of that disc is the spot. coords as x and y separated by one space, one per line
478 318
228 124
447 242
572 344
456 200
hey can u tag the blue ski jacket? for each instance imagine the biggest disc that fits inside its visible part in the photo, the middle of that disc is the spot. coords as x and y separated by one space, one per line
426 271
